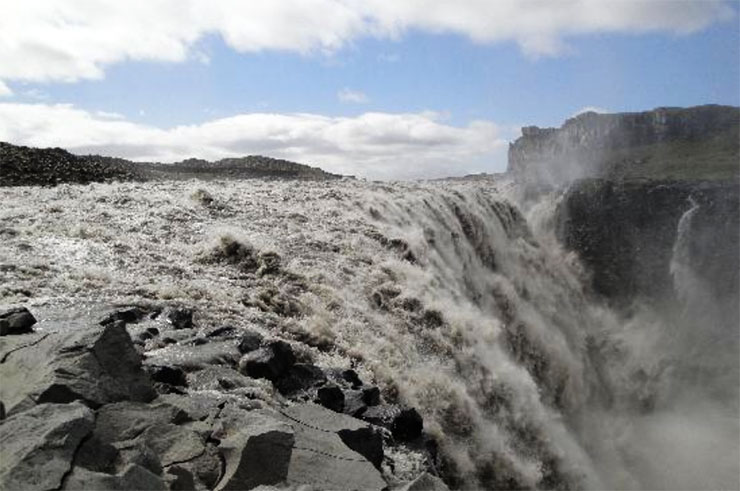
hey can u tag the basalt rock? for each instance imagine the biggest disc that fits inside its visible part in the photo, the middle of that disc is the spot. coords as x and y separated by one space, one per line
16 321
405 423
96 365
270 362
322 459
37 447
256 449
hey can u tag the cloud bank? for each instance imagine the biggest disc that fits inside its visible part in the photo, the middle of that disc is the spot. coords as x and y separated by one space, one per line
69 40
373 145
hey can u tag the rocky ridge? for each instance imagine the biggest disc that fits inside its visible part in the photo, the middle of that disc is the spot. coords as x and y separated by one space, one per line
24 166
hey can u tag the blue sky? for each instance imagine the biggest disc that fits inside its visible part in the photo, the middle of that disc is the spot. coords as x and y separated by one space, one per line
429 96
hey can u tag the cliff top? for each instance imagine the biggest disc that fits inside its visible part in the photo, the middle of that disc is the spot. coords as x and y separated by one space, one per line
701 142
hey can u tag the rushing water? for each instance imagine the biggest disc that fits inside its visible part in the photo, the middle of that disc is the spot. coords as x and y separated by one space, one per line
446 294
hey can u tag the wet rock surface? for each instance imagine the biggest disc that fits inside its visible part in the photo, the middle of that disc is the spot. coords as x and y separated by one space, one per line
92 415
625 232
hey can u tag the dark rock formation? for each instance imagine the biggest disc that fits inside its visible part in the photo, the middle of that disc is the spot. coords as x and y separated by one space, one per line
24 166
665 143
180 318
300 377
270 362
331 397
16 321
405 423
249 341
625 232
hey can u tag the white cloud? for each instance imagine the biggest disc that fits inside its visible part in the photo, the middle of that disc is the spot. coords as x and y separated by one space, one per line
68 40
374 145
354 96
5 90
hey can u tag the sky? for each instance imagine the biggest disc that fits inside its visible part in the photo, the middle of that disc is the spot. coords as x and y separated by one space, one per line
378 89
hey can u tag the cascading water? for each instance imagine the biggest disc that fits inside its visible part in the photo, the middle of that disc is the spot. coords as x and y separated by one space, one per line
445 294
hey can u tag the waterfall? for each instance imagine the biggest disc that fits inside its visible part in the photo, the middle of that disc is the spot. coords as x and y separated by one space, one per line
447 295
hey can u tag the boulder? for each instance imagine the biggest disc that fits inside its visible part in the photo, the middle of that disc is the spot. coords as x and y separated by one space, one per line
256 449
366 441
300 377
354 403
320 457
352 377
270 362
405 423
168 375
331 397
371 396
16 321
221 331
250 341
37 447
180 318
95 364
126 315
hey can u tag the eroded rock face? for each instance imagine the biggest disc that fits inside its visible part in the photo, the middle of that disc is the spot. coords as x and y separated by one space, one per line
625 232
96 364
37 446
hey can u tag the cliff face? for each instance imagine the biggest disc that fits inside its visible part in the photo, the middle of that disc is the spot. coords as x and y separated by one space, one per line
630 179
626 232
663 143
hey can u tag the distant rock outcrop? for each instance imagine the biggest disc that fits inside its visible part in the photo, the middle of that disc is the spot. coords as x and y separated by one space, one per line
665 143
25 166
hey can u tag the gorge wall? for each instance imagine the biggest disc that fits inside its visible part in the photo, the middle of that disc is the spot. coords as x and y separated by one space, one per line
629 179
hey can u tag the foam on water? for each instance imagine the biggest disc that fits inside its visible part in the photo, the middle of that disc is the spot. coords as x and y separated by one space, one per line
445 294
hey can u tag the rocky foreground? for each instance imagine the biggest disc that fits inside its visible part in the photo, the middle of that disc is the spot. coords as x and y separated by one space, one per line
80 410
